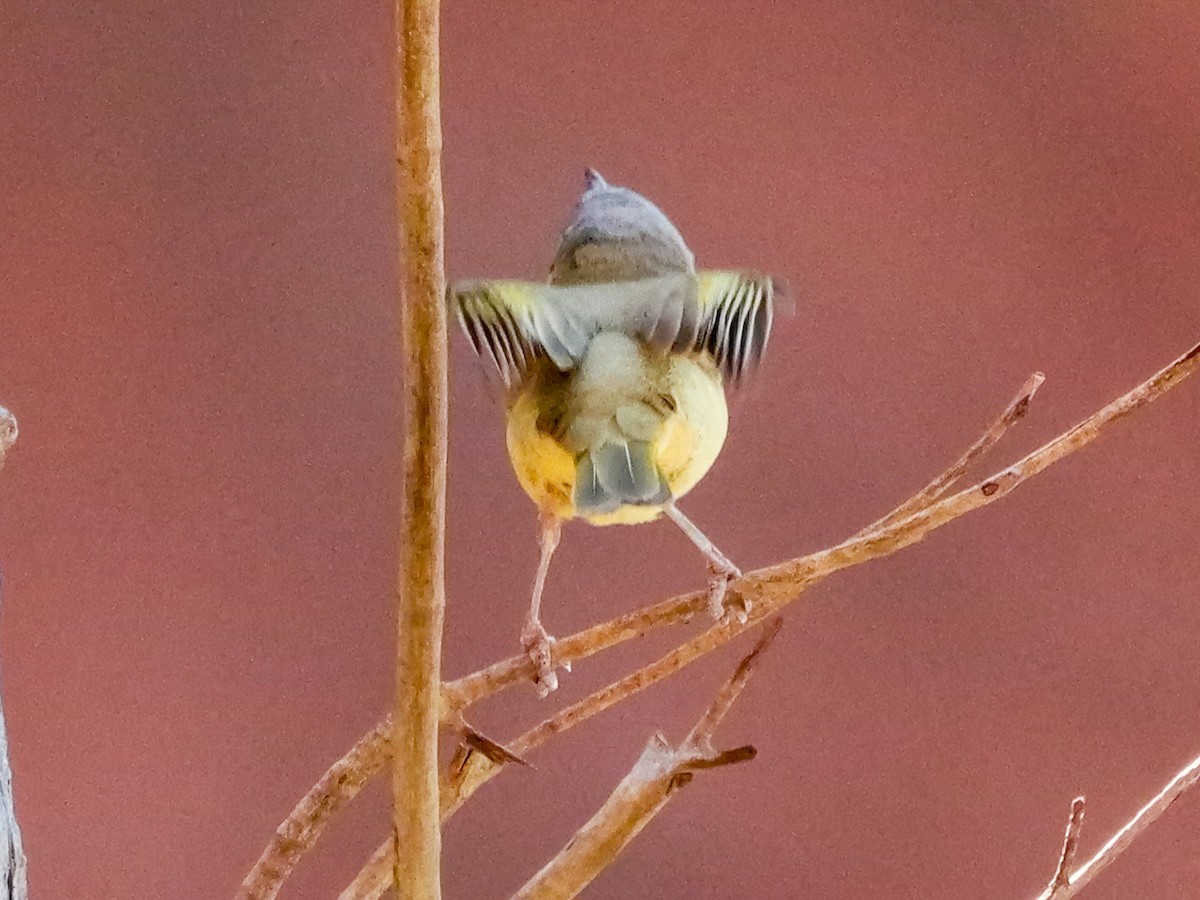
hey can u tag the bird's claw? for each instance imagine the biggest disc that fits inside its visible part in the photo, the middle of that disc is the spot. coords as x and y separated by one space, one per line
538 646
718 588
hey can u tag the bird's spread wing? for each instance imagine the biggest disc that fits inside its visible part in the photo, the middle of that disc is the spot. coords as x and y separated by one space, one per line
736 310
514 323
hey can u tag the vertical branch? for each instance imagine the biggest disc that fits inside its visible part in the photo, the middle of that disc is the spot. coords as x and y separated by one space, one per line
421 581
13 880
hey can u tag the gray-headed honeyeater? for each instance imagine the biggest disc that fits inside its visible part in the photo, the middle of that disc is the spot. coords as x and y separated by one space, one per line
615 372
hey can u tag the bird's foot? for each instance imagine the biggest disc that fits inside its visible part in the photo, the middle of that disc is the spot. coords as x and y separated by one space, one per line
538 646
720 606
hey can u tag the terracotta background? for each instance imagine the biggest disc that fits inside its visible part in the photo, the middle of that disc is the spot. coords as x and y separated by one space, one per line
196 331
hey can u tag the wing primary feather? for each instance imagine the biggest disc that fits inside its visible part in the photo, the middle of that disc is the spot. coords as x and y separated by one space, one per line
712 330
736 310
730 335
735 320
745 305
762 322
486 335
468 328
752 297
512 343
728 307
760 300
499 338
508 329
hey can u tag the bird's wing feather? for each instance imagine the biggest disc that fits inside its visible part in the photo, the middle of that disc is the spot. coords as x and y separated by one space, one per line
513 323
736 310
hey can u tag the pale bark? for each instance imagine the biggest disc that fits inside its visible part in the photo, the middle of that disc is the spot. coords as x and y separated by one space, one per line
420 597
768 590
1064 886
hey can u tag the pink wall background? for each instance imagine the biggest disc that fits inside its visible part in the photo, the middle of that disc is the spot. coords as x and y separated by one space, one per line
196 331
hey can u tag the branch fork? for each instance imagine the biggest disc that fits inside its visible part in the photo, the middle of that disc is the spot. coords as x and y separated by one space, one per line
655 778
769 590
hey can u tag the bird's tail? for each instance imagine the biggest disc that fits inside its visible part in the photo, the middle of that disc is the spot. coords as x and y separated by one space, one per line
618 473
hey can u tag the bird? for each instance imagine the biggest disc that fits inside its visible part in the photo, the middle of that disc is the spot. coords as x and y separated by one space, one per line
614 373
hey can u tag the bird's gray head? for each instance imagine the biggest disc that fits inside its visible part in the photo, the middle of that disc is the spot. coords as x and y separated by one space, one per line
616 235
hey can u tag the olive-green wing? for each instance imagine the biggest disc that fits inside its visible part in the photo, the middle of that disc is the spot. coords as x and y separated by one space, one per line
514 323
736 310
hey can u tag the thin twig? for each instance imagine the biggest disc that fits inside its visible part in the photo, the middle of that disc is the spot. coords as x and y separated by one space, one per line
1116 844
1066 859
472 688
372 880
421 582
300 830
462 692
772 588
768 590
937 488
733 686
468 771
655 778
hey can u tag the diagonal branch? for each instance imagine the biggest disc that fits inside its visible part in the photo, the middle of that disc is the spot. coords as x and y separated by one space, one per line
767 589
786 580
655 778
471 688
420 589
1116 845
1062 872
772 588
300 830
371 881
468 771
937 488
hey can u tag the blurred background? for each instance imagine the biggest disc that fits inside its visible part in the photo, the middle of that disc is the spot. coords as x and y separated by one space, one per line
197 333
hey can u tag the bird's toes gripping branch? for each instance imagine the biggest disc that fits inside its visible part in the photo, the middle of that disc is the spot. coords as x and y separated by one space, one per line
539 647
720 604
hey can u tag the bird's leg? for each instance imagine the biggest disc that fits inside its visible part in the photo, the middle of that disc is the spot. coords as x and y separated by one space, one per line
721 569
534 638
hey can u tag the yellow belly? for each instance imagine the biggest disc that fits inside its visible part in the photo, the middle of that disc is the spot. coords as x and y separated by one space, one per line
685 446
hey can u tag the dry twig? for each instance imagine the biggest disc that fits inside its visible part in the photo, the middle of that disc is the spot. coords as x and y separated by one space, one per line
771 588
787 580
300 830
1062 872
1115 845
879 541
655 778
937 488
421 582
768 589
